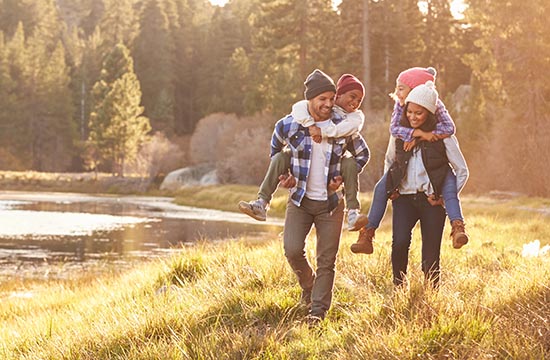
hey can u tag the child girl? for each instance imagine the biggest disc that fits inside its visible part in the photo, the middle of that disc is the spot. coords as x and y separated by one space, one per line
406 81
349 96
418 176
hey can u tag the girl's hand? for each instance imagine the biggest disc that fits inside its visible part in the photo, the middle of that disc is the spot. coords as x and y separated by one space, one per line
409 145
314 131
426 136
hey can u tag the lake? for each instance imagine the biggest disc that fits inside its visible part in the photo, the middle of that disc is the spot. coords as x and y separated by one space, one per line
51 234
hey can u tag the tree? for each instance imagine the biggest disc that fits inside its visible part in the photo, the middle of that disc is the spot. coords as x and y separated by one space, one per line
154 54
117 127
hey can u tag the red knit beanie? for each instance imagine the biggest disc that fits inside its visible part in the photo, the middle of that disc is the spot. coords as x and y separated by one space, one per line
417 75
348 82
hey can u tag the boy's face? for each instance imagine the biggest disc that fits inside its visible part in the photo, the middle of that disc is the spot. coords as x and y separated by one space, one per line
401 92
416 115
350 100
320 107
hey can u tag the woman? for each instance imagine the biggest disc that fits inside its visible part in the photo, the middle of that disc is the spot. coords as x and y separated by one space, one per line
416 178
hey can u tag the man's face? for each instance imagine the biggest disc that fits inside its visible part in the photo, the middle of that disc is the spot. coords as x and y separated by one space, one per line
320 107
350 101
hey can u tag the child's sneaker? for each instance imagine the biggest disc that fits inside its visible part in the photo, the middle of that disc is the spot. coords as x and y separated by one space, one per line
364 242
356 220
458 234
255 209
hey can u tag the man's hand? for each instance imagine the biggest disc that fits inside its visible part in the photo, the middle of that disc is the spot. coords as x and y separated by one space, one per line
435 202
409 145
335 183
287 180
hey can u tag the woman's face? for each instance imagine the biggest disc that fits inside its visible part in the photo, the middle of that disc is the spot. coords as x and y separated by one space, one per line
401 92
350 101
417 115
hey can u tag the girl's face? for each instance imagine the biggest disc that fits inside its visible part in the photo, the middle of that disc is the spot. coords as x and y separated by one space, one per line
401 92
416 114
350 101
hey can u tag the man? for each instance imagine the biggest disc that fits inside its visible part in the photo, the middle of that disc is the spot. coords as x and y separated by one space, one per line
316 198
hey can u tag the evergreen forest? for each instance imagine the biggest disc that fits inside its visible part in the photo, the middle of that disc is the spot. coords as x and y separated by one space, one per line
87 84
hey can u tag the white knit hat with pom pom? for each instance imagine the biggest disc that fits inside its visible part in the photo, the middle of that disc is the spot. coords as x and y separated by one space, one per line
424 95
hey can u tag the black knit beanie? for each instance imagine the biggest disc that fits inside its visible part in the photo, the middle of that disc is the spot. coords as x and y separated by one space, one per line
317 83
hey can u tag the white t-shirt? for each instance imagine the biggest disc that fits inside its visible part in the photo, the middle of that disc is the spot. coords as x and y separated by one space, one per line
316 185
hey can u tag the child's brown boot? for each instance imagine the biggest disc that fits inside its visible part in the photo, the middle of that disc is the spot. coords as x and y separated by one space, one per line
364 242
458 234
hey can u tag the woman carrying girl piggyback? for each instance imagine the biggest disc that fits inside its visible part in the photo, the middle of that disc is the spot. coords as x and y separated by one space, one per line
444 127
418 177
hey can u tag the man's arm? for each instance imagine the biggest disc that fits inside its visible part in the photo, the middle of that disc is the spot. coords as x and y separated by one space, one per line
278 139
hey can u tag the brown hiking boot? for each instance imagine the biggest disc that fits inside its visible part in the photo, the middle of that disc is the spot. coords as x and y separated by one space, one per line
364 242
458 234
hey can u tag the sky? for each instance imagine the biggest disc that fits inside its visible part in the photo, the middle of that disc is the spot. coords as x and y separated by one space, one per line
457 7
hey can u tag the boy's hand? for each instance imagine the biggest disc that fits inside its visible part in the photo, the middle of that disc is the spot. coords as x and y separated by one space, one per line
409 145
314 131
317 138
335 183
287 181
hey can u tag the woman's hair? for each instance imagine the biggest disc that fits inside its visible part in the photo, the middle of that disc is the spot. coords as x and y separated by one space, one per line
429 124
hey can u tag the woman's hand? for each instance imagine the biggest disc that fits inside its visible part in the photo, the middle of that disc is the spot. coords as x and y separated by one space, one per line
435 202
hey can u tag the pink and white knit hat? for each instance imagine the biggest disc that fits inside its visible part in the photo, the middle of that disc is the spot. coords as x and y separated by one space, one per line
417 75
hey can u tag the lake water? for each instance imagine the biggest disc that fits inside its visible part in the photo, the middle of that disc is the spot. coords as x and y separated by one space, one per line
44 234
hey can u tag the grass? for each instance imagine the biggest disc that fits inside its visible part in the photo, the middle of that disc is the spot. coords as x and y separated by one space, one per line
238 300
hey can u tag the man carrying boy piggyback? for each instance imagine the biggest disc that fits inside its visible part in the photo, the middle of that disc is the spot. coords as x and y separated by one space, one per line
316 198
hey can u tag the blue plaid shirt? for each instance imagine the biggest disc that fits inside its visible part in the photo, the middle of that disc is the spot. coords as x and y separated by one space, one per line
445 125
289 132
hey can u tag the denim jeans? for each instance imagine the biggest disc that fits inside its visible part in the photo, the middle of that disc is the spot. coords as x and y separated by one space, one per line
380 200
328 226
407 211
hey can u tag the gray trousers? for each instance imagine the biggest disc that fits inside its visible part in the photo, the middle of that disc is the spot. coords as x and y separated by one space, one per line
298 223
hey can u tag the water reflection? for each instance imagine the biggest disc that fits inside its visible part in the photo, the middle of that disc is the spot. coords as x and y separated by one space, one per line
79 230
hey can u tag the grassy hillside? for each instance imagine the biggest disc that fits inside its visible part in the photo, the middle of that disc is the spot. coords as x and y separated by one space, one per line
238 300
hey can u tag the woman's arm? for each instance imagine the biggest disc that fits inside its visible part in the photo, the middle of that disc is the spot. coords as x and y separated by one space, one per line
457 161
390 154
445 125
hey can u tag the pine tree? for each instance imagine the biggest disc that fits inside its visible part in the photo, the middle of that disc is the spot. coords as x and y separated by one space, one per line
117 127
154 59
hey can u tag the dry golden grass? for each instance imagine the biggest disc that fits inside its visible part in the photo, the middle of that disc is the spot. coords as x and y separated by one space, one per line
238 300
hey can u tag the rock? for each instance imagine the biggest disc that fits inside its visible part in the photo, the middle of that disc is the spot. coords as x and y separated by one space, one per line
204 174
